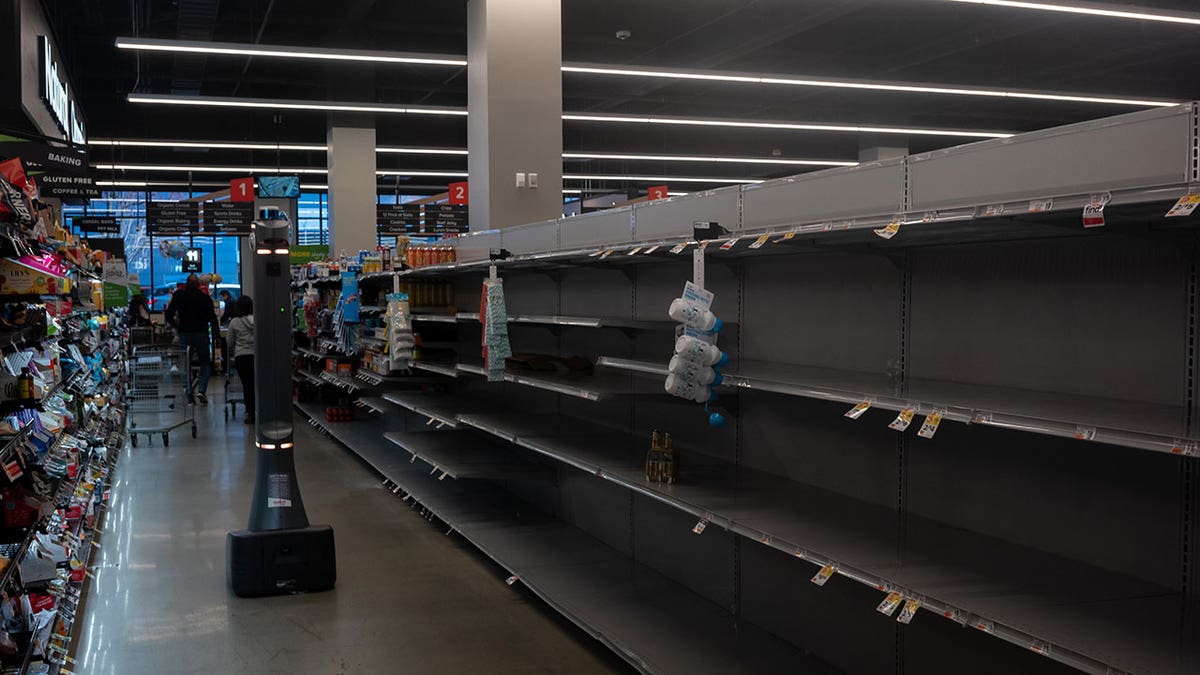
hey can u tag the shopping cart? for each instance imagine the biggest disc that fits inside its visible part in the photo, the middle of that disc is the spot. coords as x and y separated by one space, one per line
233 392
158 392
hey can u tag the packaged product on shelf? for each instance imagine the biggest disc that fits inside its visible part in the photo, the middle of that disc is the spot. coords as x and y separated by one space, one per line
399 331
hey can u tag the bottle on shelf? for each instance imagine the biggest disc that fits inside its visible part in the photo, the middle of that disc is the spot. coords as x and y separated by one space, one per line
654 458
25 387
693 315
670 461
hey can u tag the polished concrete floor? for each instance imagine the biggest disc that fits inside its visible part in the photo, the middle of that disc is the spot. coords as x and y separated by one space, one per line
408 599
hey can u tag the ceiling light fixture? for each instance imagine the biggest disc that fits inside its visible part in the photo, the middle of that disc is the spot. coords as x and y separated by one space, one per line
421 151
204 145
240 49
859 84
796 126
698 158
1090 9
228 102
663 179
284 104
205 169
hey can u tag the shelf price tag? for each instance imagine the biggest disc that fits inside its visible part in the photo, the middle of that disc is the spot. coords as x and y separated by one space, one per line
1185 448
890 602
634 250
984 625
788 236
823 575
679 248
890 230
730 244
593 254
762 239
1040 205
652 249
930 426
699 528
606 254
1041 647
1085 433
910 610
902 420
1185 205
992 210
443 476
513 579
1093 213
858 410
13 470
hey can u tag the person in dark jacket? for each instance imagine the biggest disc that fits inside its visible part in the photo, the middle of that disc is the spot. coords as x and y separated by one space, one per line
139 310
191 313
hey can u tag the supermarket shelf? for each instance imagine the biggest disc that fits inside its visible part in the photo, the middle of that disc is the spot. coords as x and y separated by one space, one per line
646 618
1027 597
460 455
438 408
310 377
1126 423
594 387
447 369
374 404
553 320
312 354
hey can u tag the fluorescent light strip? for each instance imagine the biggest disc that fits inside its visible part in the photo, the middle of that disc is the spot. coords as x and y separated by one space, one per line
686 121
664 179
232 145
285 104
436 174
205 169
853 84
1091 10
240 49
697 158
796 126
362 55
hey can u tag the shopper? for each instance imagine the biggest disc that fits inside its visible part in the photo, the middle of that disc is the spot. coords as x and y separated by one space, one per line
139 310
227 308
191 314
240 336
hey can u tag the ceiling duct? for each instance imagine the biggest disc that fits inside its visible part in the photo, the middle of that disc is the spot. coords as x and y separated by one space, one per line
196 20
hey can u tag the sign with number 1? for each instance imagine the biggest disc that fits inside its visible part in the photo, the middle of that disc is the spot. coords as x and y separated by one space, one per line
241 190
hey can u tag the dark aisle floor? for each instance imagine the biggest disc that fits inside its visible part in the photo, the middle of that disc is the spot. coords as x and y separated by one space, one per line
409 599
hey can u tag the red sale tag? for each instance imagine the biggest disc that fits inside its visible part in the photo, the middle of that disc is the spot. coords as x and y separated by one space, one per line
13 470
657 192
458 193
241 190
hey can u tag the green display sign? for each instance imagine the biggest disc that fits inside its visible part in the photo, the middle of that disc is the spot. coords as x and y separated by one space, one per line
309 253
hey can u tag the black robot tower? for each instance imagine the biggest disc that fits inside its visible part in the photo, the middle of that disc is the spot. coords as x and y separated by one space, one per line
279 551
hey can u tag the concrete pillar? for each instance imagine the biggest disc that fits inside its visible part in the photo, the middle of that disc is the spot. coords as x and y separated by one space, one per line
514 96
351 185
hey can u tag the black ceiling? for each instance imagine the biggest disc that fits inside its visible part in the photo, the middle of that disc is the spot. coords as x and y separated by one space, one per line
926 41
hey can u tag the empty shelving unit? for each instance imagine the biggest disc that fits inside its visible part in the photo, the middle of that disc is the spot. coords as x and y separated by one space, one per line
1052 521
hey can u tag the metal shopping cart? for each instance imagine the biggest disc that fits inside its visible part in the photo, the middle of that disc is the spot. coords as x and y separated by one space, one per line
158 392
233 392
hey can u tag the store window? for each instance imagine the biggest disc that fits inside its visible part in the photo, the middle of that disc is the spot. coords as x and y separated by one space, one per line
312 219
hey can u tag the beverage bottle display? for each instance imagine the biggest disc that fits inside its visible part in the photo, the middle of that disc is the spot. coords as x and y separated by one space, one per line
654 459
694 316
694 349
670 462
690 370
689 389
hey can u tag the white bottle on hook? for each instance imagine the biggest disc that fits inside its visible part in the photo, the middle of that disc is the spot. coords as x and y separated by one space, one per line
690 348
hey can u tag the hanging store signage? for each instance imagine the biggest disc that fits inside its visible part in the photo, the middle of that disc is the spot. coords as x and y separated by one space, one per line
228 218
172 217
458 193
97 224
67 187
44 157
393 219
657 192
57 94
241 190
193 260
445 219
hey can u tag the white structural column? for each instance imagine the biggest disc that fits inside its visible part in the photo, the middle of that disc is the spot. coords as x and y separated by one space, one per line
514 85
352 184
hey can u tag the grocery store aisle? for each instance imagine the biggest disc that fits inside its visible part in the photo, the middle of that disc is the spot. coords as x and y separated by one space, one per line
408 599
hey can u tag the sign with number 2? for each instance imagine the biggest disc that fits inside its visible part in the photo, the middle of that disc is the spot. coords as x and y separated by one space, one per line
241 190
458 193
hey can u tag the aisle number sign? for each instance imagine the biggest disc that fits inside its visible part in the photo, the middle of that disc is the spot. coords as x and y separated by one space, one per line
657 192
241 190
193 260
459 193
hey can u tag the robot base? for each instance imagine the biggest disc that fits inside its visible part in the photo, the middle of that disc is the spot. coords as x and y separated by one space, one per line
274 562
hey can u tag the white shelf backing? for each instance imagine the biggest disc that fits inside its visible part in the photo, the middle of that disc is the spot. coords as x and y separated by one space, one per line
1126 423
646 618
1027 597
459 455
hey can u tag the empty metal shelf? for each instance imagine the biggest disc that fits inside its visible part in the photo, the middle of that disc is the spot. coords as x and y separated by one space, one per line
555 320
648 619
1135 424
462 455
